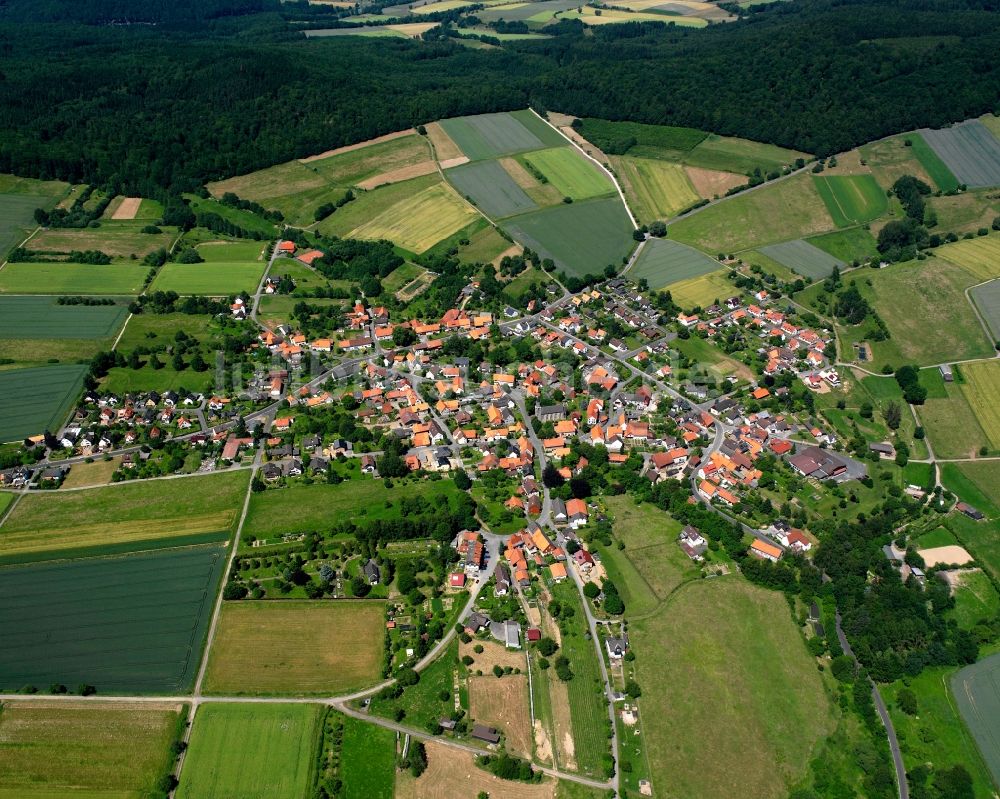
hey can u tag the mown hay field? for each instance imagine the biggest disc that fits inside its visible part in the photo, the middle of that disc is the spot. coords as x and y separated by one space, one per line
981 389
847 245
570 172
59 278
124 517
296 647
90 750
251 752
730 633
132 624
37 399
367 760
503 703
663 262
213 278
852 199
117 239
356 166
980 257
702 290
655 189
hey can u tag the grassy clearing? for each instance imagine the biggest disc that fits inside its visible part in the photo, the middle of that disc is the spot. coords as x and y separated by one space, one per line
976 600
251 752
804 259
582 238
890 159
852 199
354 167
697 292
214 278
124 517
663 262
938 171
854 244
301 508
729 154
37 399
655 189
117 239
729 633
296 647
976 484
367 760
133 624
88 475
55 278
490 188
786 210
570 172
980 257
92 750
951 426
981 387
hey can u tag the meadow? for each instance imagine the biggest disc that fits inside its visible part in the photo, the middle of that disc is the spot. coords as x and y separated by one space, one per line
356 166
852 199
570 172
293 647
305 508
970 152
980 257
890 159
491 135
981 387
853 244
367 760
37 399
803 258
951 425
755 682
976 689
245 219
134 624
976 600
117 239
294 188
582 238
987 300
789 209
213 278
655 189
59 278
17 214
491 188
729 154
251 752
151 330
936 169
975 483
664 138
124 517
663 262
90 750
698 292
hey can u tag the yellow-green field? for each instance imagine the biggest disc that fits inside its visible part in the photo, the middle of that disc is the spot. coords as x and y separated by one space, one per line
980 257
655 189
84 750
981 389
417 223
356 166
117 239
570 172
609 16
296 647
702 290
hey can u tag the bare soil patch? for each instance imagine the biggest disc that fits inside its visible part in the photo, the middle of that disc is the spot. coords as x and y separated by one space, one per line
398 175
493 654
711 182
128 208
562 723
543 747
444 148
453 772
448 164
952 554
513 250
503 703
351 147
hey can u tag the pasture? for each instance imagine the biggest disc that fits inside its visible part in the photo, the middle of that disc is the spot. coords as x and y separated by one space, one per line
17 218
655 189
151 330
293 188
804 259
245 219
976 482
117 239
976 689
729 154
304 508
230 251
951 425
966 212
789 209
61 278
367 760
890 159
418 222
37 399
503 704
581 238
251 752
663 262
969 151
570 172
987 300
980 257
92 750
976 600
134 624
981 389
296 647
697 292
852 199
124 517
731 634
488 185
213 278
491 135
853 244
354 167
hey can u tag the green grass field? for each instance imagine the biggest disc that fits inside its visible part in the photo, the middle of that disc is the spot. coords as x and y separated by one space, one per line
743 156
245 219
703 290
301 508
213 278
54 278
754 682
570 172
151 330
854 244
491 188
582 238
663 262
790 209
929 160
251 752
231 251
852 199
132 625
78 750
982 383
980 257
976 689
44 318
119 239
37 399
124 517
655 189
976 483
17 218
356 166
976 600
368 760
291 647
951 425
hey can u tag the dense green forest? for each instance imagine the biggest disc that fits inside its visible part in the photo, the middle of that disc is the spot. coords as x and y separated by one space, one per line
196 91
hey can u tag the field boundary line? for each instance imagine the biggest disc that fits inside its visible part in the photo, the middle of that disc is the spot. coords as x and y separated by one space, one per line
604 169
122 332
